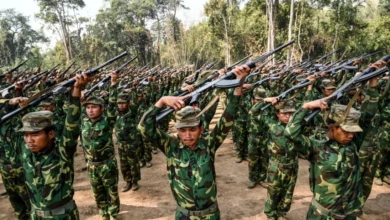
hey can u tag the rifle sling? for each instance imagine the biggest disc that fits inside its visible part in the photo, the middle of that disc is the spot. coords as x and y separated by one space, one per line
349 106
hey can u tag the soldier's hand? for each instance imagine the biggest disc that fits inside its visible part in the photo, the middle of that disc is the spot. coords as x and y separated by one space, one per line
16 101
114 77
272 100
248 86
319 103
241 72
174 102
222 71
189 88
19 86
81 80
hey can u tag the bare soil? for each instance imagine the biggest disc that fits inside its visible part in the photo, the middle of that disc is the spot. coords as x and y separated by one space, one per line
154 199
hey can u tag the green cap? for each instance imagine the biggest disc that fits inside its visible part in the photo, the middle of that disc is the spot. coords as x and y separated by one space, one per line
259 93
94 100
351 122
285 106
123 97
37 121
46 102
186 117
328 84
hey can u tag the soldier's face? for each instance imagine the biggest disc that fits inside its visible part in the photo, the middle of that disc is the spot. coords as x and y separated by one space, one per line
94 111
38 141
123 107
48 108
341 136
190 135
284 117
328 92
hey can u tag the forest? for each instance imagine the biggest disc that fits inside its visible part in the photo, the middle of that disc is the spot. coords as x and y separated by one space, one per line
231 30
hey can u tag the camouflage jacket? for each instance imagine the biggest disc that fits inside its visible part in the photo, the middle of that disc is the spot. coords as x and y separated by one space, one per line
50 174
334 168
191 174
97 136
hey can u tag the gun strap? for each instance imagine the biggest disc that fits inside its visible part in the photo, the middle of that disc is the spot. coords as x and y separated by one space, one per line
349 106
208 106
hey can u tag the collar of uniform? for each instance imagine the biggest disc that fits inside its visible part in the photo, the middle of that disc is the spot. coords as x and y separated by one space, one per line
46 151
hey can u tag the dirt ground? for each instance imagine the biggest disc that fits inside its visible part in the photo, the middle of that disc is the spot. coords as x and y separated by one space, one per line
154 199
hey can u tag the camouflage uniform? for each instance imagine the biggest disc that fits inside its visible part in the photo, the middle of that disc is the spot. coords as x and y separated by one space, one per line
129 142
100 155
257 148
283 165
334 168
191 173
384 139
50 174
58 121
11 160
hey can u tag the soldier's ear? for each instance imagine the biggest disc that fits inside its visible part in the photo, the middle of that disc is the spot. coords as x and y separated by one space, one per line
52 134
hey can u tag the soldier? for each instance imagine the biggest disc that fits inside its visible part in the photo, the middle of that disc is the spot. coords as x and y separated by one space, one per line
283 161
48 166
11 161
58 121
99 151
257 149
190 158
334 164
129 143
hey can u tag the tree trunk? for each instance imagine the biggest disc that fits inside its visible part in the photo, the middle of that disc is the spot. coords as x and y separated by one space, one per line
290 27
299 30
227 41
271 25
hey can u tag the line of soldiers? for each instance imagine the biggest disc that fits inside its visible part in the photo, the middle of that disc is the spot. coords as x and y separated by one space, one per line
341 144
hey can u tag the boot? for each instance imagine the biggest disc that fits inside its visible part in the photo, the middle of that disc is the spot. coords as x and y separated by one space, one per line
378 181
141 164
251 185
135 186
154 151
148 165
239 160
127 187
263 184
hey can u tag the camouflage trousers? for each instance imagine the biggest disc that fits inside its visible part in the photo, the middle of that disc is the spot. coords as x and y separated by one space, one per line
14 183
315 214
129 162
146 151
70 214
181 216
368 164
240 138
384 155
281 183
258 158
104 182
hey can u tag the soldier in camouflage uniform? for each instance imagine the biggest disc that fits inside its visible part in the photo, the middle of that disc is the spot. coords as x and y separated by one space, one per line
48 166
129 142
190 158
99 151
283 161
257 149
334 164
11 168
59 123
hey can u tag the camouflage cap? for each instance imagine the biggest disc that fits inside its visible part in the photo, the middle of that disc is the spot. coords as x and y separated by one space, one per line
37 121
186 117
123 97
285 106
94 100
351 122
46 102
328 84
259 93
300 78
140 92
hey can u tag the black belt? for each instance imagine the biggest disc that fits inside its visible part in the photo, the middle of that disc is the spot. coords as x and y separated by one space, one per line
53 212
210 210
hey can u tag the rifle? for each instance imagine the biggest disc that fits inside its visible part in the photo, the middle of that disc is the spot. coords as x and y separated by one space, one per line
196 76
57 89
367 74
52 70
150 73
222 82
67 69
13 69
327 55
105 79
